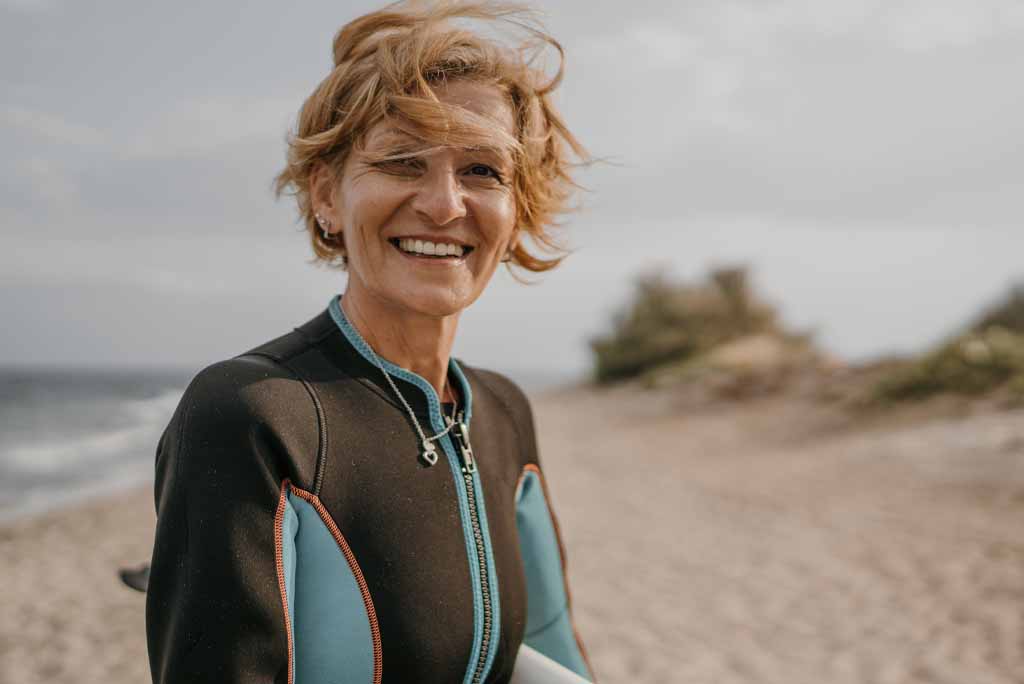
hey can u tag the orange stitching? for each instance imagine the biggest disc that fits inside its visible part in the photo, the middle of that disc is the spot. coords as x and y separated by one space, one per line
357 572
561 552
279 559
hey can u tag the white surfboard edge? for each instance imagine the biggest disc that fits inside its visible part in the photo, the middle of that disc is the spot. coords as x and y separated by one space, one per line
533 667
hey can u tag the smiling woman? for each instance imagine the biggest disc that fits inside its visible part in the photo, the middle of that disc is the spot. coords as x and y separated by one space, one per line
323 513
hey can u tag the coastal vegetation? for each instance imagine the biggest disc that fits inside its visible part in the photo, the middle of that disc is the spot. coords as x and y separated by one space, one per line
717 331
721 334
985 355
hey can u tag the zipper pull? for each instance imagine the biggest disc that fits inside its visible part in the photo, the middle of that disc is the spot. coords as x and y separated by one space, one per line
467 450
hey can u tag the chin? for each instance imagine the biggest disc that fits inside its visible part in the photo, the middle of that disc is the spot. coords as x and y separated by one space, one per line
441 304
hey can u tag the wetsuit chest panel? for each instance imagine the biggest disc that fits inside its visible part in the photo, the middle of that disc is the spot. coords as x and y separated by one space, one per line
403 524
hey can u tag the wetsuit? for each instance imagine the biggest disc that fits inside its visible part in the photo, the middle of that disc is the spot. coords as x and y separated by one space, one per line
302 538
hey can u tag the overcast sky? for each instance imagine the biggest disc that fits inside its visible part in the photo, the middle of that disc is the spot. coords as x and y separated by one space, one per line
865 158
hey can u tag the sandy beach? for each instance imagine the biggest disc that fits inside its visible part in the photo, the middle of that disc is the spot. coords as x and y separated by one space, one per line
766 541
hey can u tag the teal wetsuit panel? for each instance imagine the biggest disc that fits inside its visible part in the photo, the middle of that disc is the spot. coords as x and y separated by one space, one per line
548 627
330 626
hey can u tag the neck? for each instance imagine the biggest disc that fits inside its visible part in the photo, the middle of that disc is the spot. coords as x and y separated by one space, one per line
409 339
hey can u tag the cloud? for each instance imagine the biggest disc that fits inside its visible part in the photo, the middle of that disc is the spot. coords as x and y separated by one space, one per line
694 32
161 263
28 5
199 125
827 110
50 127
922 26
205 156
48 182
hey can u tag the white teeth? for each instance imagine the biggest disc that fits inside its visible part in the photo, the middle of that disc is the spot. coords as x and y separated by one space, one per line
430 248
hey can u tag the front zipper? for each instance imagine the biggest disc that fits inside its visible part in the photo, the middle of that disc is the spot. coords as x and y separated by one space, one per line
468 468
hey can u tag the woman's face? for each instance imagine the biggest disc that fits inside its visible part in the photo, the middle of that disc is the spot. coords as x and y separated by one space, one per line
446 195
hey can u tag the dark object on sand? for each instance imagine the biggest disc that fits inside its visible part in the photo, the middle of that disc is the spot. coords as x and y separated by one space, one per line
136 578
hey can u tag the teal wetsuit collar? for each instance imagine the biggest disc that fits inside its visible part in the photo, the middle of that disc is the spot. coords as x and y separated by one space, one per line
433 402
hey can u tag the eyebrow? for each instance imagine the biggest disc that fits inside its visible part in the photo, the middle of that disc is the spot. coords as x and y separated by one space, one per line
500 153
395 141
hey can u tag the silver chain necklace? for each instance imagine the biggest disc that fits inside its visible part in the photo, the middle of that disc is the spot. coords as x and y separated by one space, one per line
429 454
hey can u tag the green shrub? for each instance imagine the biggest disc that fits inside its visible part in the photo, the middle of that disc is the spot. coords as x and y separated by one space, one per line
989 354
668 322
1007 313
973 363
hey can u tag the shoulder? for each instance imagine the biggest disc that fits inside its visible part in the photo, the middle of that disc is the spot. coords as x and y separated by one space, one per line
240 420
503 387
234 388
244 405
512 399
245 415
228 399
259 384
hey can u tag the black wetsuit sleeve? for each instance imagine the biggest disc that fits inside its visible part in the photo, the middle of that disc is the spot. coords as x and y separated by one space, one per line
214 610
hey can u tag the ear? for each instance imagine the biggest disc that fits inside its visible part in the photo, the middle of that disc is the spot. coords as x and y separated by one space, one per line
322 192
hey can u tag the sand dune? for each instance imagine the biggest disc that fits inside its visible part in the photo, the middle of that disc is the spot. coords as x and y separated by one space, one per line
770 541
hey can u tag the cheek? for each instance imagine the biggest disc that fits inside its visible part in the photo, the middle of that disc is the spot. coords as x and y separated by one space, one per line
368 205
500 218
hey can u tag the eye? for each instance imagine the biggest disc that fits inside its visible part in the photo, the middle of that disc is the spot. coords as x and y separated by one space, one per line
484 171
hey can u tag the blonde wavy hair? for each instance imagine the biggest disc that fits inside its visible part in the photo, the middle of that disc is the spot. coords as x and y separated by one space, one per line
385 66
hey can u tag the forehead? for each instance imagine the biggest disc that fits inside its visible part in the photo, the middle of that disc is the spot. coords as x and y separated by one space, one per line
483 99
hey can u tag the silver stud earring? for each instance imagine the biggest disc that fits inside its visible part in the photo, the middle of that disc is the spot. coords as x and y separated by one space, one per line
325 225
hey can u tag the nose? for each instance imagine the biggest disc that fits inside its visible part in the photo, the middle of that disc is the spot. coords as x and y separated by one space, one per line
440 198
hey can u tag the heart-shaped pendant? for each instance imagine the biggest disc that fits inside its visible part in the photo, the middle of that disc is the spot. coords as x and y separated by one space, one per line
429 454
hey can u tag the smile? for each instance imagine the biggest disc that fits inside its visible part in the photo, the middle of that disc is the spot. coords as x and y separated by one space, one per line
429 251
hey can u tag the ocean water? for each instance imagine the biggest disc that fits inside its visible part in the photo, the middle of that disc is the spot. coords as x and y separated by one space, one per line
66 434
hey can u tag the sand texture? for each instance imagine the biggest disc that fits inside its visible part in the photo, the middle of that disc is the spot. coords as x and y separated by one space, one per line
771 541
